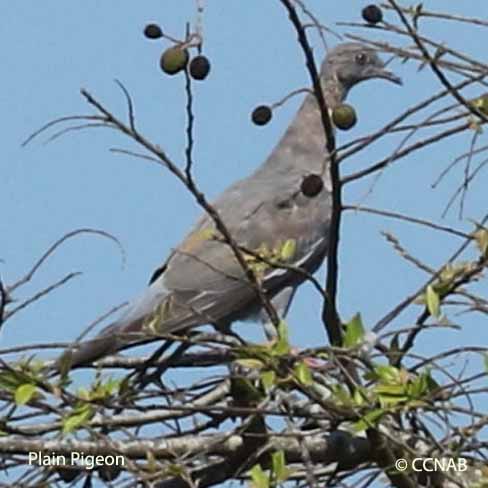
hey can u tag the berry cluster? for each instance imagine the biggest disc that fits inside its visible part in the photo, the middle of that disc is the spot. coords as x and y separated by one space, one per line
177 58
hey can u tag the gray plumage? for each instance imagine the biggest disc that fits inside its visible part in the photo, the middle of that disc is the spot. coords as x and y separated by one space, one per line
202 282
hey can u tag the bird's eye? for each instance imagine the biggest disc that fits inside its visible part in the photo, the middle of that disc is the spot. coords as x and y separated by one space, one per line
361 59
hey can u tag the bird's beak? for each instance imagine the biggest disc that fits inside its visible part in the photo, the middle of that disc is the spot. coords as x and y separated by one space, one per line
389 75
380 72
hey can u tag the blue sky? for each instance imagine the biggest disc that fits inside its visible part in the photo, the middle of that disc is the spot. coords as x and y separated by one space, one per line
51 49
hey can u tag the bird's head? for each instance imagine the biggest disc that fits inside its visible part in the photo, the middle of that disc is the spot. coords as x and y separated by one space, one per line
350 63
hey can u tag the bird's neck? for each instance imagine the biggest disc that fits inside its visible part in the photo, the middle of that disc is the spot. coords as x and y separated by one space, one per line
302 148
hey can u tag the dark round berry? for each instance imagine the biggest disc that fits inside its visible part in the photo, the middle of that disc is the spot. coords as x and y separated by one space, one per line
312 185
372 14
261 115
153 31
174 60
344 117
199 67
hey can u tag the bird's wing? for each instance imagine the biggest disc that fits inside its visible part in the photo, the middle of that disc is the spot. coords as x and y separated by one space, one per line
203 274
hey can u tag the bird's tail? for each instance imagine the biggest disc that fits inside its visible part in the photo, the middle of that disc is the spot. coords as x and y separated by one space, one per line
109 341
126 330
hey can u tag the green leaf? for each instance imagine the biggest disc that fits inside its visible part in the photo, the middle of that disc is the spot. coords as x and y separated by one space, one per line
433 301
268 379
78 418
288 250
388 374
281 346
485 360
354 331
250 363
303 373
35 365
10 380
420 385
341 394
481 238
280 470
360 396
100 390
259 478
391 394
24 393
83 394
369 420
173 470
481 103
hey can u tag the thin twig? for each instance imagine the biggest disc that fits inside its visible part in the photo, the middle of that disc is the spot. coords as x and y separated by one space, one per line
433 64
407 218
330 313
41 293
53 247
